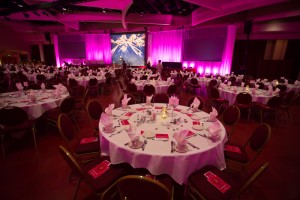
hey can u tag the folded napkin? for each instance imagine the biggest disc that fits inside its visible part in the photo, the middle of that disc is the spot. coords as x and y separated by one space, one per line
195 104
180 137
214 131
258 80
213 115
106 120
229 83
235 89
270 88
169 79
43 87
277 90
109 109
19 86
173 101
133 80
219 77
148 100
25 84
296 82
286 82
242 84
222 85
253 91
125 101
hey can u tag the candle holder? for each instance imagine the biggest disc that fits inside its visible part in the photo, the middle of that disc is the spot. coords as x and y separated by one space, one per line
164 113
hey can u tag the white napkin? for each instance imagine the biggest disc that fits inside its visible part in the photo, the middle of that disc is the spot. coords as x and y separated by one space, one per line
253 91
19 86
229 83
133 80
106 120
214 130
258 80
277 90
213 115
296 82
25 84
222 85
256 86
109 109
173 101
125 101
148 100
180 137
169 79
242 84
195 104
43 87
234 88
270 89
286 82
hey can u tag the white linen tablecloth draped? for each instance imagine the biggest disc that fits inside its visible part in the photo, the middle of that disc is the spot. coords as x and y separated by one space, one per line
160 86
45 101
157 156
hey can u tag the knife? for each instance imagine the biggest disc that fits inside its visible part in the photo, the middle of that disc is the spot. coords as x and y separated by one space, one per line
192 145
145 142
172 146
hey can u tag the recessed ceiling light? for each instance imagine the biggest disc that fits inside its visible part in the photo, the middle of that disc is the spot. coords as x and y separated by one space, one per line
104 11
21 6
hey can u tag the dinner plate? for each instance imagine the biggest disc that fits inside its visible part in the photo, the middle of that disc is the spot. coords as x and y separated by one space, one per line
195 117
149 134
197 127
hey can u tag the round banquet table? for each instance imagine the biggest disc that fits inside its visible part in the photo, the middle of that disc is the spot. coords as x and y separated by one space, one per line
46 100
157 156
84 80
260 96
160 86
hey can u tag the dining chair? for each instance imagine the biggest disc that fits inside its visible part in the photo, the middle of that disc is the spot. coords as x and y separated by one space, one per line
132 89
14 122
217 101
230 117
173 90
160 98
73 87
194 85
136 187
84 172
191 100
148 90
94 111
92 87
239 157
203 184
243 100
87 146
287 102
271 107
40 78
105 87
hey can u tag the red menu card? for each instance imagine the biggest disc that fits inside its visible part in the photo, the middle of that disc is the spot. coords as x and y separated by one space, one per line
128 114
190 115
219 183
162 136
99 169
196 123
88 140
124 122
158 107
232 148
190 134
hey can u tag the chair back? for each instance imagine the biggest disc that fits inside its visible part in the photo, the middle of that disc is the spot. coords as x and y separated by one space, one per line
191 100
243 98
274 102
212 83
172 89
231 115
194 81
136 187
149 89
71 161
289 97
11 116
131 87
94 109
93 82
131 101
65 127
161 98
214 93
67 105
260 137
72 82
40 77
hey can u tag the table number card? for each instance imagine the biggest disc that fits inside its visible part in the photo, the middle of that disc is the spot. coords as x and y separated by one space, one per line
99 169
232 148
124 122
88 140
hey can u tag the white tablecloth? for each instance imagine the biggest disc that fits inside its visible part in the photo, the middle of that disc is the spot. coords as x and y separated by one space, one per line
84 80
229 94
160 86
157 156
45 101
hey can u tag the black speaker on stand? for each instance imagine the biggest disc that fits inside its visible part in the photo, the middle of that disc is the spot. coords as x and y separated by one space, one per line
247 31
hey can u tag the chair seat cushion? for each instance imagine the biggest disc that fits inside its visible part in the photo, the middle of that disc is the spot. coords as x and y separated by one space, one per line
241 156
26 125
107 178
264 107
87 147
53 114
200 182
220 100
240 105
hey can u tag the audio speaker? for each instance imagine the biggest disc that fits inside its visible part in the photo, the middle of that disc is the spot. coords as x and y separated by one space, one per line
47 36
248 27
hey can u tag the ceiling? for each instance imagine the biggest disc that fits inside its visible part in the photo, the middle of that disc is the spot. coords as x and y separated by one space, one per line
131 15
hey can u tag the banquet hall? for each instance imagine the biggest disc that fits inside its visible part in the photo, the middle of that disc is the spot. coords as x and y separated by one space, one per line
192 99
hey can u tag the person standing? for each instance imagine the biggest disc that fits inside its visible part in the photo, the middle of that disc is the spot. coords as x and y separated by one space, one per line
159 67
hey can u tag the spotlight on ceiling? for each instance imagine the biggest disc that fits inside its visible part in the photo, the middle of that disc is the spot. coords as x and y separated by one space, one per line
103 10
63 8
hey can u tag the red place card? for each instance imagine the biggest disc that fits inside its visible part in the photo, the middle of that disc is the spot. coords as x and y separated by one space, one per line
190 133
88 140
176 109
162 136
128 114
124 122
219 183
158 107
232 148
99 169
196 123
190 115
140 109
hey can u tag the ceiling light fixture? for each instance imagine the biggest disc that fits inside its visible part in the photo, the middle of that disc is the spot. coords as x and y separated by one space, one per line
104 11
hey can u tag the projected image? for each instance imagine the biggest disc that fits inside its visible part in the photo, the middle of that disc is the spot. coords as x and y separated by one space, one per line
128 47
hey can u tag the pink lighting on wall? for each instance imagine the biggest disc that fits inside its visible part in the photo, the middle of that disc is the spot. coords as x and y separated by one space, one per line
55 41
98 47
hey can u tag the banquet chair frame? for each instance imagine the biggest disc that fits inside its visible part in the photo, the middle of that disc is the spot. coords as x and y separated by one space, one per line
190 101
243 100
82 173
15 122
126 188
148 90
194 85
253 147
92 87
230 118
238 188
214 97
94 110
160 98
